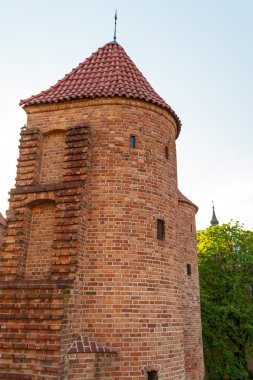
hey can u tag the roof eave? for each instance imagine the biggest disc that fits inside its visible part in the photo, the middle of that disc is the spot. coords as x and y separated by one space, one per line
32 102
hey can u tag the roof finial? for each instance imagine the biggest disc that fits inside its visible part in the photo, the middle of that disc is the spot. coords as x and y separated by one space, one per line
115 27
214 221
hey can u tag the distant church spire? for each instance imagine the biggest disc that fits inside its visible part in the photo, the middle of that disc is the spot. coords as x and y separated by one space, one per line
214 221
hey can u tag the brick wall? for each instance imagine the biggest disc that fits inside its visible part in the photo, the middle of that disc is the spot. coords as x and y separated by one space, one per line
40 250
190 293
91 366
32 319
52 161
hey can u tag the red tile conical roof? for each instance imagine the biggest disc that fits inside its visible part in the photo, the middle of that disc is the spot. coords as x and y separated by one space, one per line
182 198
108 72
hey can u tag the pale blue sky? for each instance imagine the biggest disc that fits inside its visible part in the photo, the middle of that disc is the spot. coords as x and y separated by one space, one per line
198 55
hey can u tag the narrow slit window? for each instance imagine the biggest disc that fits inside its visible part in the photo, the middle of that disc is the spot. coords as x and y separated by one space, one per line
152 375
166 152
189 269
160 229
132 142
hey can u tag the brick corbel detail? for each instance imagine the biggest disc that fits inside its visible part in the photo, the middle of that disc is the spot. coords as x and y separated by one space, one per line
83 344
150 367
69 198
77 153
29 160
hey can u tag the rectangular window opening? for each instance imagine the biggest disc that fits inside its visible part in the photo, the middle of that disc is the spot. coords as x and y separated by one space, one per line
189 269
166 153
160 229
152 375
132 141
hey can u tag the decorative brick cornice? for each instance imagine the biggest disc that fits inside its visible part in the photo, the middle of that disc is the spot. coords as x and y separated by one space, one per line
36 284
46 188
99 102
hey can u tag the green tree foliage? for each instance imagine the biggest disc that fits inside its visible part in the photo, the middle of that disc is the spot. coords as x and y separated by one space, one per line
225 256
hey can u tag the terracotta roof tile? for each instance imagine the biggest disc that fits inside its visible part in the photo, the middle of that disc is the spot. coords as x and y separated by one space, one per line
108 72
83 344
182 198
2 220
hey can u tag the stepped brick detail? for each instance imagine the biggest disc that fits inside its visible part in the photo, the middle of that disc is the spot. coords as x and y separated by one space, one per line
80 257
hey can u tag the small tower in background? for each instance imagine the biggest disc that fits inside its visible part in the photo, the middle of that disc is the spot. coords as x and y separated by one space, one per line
214 221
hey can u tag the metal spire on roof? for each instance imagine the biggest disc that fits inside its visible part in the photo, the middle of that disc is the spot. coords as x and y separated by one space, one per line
214 221
115 28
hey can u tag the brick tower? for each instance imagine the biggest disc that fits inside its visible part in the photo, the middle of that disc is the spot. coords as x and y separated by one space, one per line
99 276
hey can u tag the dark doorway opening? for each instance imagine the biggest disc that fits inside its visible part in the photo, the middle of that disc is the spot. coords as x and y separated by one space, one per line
152 375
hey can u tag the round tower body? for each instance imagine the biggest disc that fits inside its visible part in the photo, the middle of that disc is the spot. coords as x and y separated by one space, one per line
129 292
194 368
132 271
